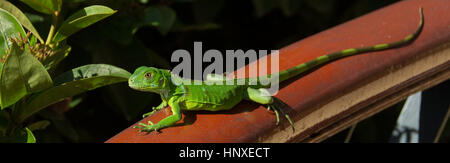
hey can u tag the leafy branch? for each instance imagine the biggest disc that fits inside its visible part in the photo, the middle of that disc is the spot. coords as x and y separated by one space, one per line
26 85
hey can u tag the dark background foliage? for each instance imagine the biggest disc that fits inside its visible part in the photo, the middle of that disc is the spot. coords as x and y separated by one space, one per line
146 32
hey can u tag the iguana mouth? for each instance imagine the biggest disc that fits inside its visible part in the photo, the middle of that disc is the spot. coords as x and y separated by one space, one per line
141 88
135 87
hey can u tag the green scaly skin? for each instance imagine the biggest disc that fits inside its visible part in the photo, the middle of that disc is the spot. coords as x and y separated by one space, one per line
217 97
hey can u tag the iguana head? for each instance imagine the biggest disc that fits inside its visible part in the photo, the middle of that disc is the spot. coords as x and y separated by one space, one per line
149 79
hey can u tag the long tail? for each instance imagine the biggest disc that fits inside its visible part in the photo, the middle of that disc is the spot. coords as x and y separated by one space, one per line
294 71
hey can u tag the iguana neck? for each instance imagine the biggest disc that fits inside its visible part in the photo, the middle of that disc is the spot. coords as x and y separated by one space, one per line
166 85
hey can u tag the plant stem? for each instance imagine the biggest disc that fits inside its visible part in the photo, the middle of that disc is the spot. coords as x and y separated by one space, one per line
50 34
52 28
350 133
441 128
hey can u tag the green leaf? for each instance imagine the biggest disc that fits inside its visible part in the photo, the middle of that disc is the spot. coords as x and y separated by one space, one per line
9 27
44 6
30 136
82 19
161 17
21 17
39 125
19 136
21 74
35 18
52 61
75 102
32 40
71 83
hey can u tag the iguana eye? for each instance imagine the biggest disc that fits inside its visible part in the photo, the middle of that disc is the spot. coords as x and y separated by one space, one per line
148 75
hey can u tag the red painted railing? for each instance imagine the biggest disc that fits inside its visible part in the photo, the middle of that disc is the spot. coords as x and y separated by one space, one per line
338 94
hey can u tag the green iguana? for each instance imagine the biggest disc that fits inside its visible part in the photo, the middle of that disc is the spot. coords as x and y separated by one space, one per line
218 97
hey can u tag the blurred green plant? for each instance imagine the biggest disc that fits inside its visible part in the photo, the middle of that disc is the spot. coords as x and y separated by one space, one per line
27 82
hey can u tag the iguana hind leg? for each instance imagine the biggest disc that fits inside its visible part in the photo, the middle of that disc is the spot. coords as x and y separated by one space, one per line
262 96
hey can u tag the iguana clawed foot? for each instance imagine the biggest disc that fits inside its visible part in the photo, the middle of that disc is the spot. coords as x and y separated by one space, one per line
149 127
263 96
276 110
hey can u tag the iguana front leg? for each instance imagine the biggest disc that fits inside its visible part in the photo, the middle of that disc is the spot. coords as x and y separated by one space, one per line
262 96
166 122
154 109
